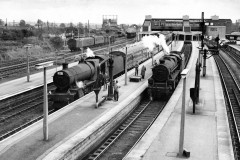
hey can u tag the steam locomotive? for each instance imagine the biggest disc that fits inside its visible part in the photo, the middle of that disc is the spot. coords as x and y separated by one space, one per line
79 43
131 32
73 83
166 75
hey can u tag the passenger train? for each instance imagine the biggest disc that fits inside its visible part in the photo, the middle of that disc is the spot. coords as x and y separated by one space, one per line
73 83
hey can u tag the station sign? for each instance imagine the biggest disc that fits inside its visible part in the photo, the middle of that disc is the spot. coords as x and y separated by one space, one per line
44 65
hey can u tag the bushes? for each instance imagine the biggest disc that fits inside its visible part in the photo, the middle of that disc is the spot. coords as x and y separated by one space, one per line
56 42
16 34
14 49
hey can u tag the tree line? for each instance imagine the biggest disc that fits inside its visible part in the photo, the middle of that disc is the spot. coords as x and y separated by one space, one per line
40 29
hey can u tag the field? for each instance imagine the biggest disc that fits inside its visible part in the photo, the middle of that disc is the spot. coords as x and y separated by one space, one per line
14 49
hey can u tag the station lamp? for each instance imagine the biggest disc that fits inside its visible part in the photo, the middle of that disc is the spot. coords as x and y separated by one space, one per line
45 97
28 46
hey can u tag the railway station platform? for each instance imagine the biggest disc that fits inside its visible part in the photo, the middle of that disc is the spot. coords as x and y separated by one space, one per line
76 126
237 47
207 135
20 85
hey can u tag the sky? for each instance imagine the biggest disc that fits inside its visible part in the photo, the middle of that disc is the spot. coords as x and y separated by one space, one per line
128 11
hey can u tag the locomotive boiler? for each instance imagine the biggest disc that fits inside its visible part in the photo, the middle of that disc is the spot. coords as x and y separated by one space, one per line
165 75
73 83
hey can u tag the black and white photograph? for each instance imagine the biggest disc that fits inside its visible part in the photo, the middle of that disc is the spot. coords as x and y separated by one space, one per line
119 79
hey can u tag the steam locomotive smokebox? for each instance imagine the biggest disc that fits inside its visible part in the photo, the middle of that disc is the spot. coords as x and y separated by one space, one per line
135 78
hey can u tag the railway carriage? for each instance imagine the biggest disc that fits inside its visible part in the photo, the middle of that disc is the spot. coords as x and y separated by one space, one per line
84 42
98 40
87 41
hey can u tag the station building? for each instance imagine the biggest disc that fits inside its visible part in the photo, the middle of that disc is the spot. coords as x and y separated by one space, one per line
188 29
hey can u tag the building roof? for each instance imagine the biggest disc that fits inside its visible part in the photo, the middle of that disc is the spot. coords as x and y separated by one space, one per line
235 33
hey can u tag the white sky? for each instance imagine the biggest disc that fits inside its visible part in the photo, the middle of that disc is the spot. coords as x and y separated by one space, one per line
128 11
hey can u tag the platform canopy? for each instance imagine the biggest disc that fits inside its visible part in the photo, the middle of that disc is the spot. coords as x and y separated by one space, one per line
187 33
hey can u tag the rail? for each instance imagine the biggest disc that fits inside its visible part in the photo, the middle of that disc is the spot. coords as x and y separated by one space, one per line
232 92
135 125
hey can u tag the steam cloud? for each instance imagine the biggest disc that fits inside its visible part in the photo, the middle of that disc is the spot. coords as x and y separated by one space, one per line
90 53
80 84
151 41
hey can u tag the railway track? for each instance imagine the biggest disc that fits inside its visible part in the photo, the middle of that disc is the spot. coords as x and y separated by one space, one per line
14 68
22 61
20 68
232 96
187 50
233 55
117 145
127 134
20 111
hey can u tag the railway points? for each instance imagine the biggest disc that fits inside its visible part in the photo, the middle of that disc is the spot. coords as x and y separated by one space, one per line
207 134
67 122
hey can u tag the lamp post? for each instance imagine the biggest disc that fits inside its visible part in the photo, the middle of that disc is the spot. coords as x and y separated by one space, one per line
110 92
152 59
182 122
56 59
175 37
109 38
126 66
45 97
27 46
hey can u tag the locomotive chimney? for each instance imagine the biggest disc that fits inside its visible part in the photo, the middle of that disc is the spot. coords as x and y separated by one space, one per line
65 65
161 61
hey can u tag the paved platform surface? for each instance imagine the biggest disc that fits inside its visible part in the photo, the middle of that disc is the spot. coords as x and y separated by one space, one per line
20 85
207 134
237 47
67 122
